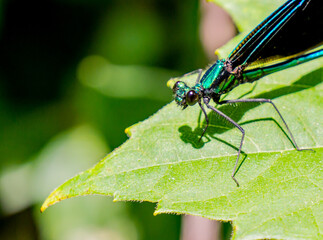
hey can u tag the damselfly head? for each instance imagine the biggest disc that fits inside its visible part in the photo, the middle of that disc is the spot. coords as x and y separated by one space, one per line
185 95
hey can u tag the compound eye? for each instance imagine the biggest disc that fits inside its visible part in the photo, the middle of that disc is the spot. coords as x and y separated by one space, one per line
178 85
191 97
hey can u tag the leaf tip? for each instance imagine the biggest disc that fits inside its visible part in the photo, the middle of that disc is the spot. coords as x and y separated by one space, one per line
42 209
217 52
156 213
171 82
53 198
128 132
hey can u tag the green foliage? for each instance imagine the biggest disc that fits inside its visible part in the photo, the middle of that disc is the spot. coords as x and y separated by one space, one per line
280 187
163 161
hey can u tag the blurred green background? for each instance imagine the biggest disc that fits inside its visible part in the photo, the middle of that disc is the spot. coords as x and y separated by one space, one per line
74 74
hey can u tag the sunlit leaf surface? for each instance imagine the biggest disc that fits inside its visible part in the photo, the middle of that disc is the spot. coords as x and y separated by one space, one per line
280 191
164 162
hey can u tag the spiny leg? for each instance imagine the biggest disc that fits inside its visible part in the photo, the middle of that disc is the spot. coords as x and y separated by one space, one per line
268 101
206 119
206 101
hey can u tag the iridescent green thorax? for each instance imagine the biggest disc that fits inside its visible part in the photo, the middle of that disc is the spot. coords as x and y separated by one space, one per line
212 74
219 78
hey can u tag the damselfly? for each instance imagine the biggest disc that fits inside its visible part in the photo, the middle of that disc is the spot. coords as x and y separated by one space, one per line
291 35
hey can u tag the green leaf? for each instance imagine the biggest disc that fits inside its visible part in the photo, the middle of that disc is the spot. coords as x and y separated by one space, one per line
164 162
280 191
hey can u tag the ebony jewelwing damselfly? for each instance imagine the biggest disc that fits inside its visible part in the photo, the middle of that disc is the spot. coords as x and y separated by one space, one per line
291 35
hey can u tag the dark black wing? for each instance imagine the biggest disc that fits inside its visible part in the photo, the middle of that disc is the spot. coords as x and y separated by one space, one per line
293 28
